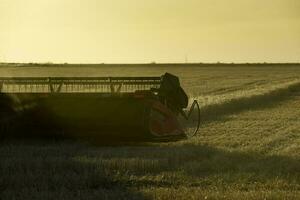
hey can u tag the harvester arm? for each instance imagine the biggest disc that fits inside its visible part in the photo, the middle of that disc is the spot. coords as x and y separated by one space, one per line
188 114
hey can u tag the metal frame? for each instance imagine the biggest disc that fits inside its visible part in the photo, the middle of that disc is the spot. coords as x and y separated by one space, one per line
77 84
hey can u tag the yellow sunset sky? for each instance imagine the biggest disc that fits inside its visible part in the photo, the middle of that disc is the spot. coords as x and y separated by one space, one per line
143 31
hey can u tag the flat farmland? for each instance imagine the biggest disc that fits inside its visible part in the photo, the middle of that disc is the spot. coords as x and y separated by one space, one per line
247 148
208 83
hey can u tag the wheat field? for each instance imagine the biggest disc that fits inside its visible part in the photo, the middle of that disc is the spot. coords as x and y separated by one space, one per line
247 148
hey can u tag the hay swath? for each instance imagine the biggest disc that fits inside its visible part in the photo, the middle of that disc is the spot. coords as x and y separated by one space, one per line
117 108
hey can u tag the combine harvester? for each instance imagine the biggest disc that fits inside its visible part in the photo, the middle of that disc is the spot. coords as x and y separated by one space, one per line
101 108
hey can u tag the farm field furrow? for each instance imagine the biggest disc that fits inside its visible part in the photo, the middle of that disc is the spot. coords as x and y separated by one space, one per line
216 98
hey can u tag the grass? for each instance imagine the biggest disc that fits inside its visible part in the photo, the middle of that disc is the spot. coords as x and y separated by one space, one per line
254 99
248 148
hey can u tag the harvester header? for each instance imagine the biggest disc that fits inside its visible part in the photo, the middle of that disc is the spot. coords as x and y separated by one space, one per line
134 108
77 84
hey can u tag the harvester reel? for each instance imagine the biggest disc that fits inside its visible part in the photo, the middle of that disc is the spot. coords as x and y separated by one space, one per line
148 107
191 120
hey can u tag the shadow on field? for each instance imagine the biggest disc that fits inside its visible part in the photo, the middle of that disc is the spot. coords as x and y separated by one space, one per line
265 101
194 162
69 170
44 169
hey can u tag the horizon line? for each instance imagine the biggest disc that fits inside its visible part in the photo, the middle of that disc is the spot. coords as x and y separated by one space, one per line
151 63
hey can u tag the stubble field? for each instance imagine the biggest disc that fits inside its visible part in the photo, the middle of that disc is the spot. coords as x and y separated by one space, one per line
247 148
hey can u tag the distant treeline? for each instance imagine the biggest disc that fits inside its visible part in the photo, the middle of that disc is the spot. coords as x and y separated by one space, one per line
149 64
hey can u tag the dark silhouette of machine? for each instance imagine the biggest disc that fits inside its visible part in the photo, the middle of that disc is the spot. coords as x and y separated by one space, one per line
102 108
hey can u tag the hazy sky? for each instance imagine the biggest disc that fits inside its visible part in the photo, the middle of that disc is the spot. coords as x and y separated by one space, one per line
125 31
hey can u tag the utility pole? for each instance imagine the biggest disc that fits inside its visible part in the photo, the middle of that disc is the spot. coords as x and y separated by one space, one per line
186 58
